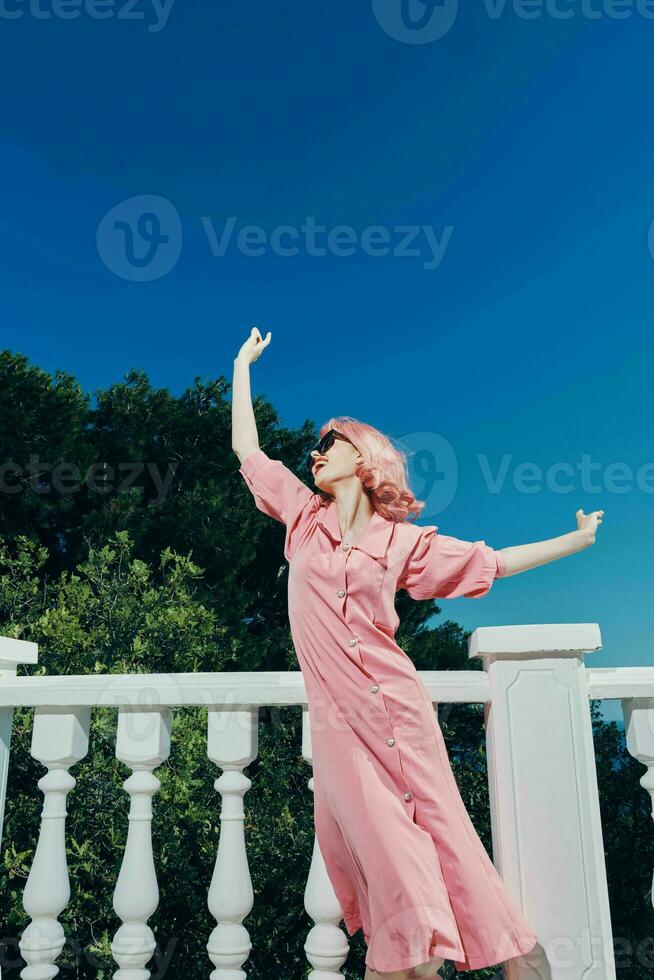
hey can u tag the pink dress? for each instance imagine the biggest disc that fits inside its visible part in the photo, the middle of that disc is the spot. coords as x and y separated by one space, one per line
401 852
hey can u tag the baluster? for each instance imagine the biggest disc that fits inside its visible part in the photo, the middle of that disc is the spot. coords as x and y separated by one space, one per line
142 743
326 944
638 716
60 738
12 653
232 744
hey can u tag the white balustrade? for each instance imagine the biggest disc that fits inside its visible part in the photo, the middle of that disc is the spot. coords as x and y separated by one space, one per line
60 737
143 743
546 832
232 740
326 944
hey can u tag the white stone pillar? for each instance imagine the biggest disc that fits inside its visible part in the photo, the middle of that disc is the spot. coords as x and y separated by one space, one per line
545 816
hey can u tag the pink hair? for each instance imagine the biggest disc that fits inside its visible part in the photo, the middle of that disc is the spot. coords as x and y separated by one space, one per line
383 471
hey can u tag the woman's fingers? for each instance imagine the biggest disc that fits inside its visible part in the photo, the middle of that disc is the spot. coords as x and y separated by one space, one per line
260 344
254 346
586 520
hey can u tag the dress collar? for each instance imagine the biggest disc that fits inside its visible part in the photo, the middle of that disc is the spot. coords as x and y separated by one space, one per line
374 539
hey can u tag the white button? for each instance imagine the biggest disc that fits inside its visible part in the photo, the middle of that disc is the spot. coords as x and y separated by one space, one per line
345 546
351 643
374 688
340 593
407 796
390 741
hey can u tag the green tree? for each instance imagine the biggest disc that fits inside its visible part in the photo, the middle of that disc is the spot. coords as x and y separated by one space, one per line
192 578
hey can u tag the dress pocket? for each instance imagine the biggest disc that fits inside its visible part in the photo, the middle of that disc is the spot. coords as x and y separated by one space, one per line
317 569
364 579
318 562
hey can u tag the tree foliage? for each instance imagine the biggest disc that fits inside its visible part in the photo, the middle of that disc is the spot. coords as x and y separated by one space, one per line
137 549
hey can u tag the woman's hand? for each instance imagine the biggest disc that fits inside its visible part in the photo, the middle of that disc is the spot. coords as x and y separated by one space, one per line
244 426
253 346
589 522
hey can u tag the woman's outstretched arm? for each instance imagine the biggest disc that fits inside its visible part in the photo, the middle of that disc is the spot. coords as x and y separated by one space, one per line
520 557
245 438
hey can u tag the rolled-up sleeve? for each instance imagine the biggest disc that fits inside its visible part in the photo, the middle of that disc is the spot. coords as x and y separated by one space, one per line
443 567
277 491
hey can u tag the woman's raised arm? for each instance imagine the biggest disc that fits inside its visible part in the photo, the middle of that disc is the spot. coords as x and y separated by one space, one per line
521 557
245 438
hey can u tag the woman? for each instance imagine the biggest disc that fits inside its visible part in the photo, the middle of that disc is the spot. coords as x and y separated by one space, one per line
404 859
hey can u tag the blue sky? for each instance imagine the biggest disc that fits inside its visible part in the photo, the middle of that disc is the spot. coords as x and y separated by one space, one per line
512 155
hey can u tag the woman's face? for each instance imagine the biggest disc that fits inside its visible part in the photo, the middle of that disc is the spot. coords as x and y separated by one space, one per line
336 463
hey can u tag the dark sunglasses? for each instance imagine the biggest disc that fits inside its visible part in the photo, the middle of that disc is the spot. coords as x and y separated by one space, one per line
327 442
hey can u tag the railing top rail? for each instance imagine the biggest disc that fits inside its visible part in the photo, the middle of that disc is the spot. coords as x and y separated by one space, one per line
235 689
622 683
242 689
14 652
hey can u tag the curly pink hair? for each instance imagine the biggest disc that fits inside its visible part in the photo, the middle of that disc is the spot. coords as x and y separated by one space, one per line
383 471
